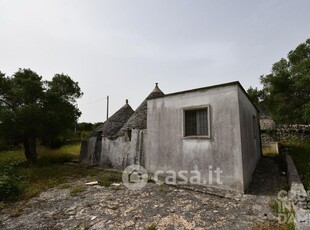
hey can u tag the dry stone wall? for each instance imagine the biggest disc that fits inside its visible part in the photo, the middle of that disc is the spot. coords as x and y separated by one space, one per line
272 132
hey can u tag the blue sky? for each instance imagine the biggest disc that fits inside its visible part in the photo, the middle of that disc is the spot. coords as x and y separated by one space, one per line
121 48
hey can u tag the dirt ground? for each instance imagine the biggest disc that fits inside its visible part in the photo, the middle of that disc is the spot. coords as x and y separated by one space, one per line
154 207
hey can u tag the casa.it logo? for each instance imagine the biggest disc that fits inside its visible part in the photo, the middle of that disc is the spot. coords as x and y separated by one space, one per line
135 177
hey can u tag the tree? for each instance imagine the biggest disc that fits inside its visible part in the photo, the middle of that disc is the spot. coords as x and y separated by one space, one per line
286 90
31 108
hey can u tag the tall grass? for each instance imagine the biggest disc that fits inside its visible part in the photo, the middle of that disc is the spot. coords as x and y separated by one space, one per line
19 180
57 156
300 152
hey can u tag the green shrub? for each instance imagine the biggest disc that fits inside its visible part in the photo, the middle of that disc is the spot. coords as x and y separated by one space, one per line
109 178
152 227
76 190
8 188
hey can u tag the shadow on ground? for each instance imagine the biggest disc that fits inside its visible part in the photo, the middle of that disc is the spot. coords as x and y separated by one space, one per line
268 179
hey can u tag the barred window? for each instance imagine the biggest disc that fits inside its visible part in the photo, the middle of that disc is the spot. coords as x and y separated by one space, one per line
196 122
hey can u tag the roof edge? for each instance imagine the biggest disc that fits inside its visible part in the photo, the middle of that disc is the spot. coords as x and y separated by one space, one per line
211 87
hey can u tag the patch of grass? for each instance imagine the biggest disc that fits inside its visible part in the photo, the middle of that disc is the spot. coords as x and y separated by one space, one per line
2 205
8 187
62 155
152 227
23 181
162 188
63 186
16 212
273 204
267 225
300 152
84 226
20 180
109 178
280 207
76 190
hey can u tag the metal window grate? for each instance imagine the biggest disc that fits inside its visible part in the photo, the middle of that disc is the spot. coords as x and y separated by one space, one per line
196 122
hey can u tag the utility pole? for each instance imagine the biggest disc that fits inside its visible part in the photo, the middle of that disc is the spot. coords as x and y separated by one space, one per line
107 107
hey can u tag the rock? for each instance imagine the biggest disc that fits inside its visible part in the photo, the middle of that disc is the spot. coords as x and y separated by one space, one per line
115 184
92 183
129 223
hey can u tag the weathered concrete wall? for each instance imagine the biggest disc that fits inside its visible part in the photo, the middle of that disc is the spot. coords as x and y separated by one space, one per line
119 153
87 155
250 136
167 149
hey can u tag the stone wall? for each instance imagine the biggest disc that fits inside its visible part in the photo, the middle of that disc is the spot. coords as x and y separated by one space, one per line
286 132
267 123
298 196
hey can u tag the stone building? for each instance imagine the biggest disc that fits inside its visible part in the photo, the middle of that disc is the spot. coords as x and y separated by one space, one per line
200 129
119 141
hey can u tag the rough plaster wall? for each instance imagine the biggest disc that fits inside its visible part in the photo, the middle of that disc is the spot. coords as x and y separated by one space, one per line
167 149
119 153
90 151
144 148
251 148
83 152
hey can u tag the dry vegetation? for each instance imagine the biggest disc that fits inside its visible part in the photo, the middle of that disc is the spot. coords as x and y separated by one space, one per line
19 180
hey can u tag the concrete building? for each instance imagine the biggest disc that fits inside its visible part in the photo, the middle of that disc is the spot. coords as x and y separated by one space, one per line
203 129
200 130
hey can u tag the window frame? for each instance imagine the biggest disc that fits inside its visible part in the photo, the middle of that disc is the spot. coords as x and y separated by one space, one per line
195 108
128 134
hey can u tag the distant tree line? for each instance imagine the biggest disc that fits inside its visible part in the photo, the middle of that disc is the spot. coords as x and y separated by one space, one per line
85 129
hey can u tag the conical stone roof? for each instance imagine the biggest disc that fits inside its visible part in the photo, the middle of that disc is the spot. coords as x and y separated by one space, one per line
139 119
111 126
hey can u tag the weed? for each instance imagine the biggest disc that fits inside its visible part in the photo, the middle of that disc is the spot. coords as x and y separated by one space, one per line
281 207
269 225
274 205
20 180
8 188
163 188
109 178
84 226
63 186
152 227
300 152
16 212
76 190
